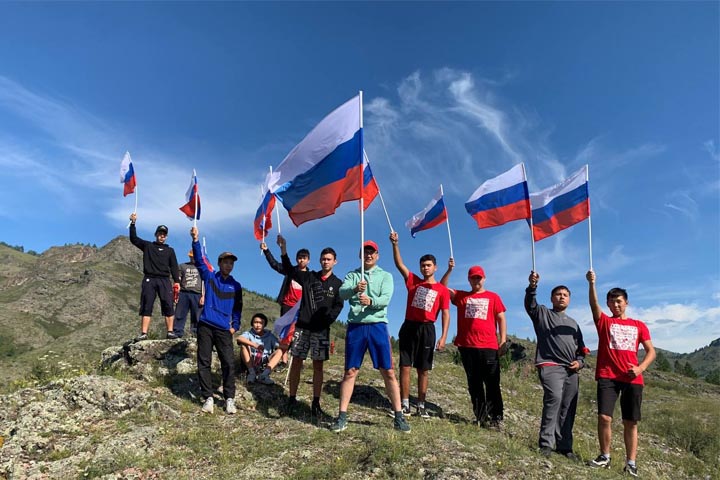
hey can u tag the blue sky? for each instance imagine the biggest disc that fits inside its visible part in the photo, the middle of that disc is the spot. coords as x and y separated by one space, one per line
454 93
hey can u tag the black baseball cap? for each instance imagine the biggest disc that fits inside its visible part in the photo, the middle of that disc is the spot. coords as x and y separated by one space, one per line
161 229
227 255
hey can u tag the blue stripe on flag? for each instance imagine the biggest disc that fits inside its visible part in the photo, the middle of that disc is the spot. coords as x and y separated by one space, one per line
498 199
561 203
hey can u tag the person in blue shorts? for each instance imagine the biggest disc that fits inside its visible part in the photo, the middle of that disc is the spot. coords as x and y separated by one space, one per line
368 296
256 346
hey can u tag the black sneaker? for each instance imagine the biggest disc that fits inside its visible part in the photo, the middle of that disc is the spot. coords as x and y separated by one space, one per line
317 413
401 425
600 462
422 413
630 470
546 451
570 455
171 336
406 411
291 406
141 337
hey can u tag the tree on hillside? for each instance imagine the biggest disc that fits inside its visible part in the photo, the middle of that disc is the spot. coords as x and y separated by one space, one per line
689 371
662 363
713 377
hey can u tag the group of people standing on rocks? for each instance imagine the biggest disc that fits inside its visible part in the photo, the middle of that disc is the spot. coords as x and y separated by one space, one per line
214 300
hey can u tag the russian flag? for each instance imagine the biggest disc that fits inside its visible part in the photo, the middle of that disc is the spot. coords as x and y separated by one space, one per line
431 216
501 199
324 169
127 175
560 206
263 216
192 196
370 186
282 326
205 260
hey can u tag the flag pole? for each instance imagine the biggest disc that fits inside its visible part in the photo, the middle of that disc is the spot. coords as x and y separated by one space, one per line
587 182
262 198
134 210
362 202
195 190
277 210
379 194
532 237
447 220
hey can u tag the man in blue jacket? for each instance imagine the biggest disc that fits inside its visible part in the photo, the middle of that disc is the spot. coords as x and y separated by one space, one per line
219 320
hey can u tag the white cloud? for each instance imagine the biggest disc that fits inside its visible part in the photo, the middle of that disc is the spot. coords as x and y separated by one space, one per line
710 147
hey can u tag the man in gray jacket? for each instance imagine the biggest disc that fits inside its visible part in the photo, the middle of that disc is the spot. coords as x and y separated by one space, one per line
560 355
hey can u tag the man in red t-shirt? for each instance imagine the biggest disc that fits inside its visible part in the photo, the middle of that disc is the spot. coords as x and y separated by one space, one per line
425 300
618 372
481 317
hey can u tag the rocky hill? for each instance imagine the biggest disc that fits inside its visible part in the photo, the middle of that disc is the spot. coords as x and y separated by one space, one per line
74 300
138 417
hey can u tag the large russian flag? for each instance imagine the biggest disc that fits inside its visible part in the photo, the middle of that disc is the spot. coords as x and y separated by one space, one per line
501 199
431 216
325 168
127 175
192 197
560 206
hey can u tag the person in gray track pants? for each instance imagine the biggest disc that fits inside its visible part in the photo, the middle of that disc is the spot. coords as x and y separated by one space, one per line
559 357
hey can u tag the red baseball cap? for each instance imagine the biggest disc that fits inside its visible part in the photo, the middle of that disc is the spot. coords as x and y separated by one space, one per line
372 245
476 271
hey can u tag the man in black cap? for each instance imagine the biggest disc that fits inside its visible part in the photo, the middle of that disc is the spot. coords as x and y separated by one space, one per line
159 263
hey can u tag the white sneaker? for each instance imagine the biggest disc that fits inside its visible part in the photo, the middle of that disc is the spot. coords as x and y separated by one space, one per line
252 376
230 408
265 379
209 405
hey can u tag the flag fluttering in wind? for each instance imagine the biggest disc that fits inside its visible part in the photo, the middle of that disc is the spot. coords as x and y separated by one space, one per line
263 216
284 324
324 169
205 259
501 199
370 186
560 206
432 215
192 197
127 175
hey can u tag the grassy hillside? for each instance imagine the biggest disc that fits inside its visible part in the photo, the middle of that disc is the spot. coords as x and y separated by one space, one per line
678 434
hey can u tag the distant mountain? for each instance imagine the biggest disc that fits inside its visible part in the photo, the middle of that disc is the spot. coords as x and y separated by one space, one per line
75 301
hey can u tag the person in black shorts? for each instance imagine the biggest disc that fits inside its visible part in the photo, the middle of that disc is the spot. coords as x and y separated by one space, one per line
159 264
426 299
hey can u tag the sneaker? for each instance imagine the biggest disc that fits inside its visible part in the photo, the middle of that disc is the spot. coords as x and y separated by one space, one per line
252 376
339 425
422 413
171 336
319 415
230 407
546 451
141 337
265 379
630 470
401 425
291 405
570 455
600 462
209 405
406 411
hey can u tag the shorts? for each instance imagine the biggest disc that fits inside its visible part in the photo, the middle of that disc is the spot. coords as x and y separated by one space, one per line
160 286
417 344
316 343
363 337
630 398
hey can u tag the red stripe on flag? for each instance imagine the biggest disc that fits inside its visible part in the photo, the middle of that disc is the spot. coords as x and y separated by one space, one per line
500 216
561 221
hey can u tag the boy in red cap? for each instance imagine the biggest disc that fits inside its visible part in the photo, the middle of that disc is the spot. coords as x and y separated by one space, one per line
481 316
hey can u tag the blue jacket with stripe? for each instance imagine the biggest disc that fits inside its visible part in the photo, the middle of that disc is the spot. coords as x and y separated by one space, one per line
223 296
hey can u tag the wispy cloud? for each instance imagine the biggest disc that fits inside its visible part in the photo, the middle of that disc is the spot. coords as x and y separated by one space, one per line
70 153
710 147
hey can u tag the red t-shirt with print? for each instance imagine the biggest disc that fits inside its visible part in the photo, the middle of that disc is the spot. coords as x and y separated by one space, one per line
293 294
477 319
425 300
618 346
